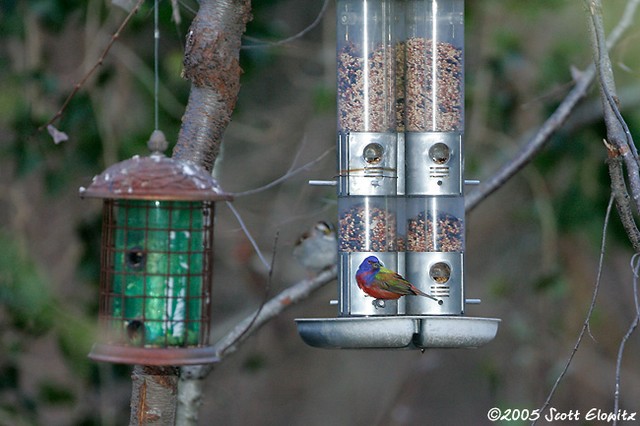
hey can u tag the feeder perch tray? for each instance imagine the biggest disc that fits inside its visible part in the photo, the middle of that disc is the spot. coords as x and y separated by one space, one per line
153 356
406 332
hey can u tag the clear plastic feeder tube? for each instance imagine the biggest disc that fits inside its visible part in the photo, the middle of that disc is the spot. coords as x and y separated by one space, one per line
434 66
366 64
367 226
434 229
435 224
433 112
367 146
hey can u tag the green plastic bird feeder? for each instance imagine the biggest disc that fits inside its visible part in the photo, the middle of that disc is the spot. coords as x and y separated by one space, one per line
156 261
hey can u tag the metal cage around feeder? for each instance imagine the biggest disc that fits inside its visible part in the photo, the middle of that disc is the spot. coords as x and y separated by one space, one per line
400 186
156 261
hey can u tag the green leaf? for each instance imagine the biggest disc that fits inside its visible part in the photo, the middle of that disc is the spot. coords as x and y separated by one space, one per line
23 291
55 393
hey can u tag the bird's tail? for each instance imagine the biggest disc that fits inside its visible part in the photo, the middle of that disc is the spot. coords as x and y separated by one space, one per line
422 293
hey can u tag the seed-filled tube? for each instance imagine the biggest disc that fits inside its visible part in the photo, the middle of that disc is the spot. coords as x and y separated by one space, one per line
367 224
366 64
434 66
434 229
435 224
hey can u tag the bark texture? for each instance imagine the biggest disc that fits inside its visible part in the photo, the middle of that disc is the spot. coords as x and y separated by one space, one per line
153 396
212 64
623 155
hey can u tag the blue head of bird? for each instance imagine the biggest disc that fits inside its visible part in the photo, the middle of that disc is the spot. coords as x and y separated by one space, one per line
370 264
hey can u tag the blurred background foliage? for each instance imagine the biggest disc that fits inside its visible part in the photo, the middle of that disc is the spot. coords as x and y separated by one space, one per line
532 248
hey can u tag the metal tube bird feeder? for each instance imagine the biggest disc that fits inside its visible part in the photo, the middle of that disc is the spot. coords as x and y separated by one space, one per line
401 227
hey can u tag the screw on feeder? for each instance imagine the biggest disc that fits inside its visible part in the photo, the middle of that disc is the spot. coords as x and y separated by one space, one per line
379 303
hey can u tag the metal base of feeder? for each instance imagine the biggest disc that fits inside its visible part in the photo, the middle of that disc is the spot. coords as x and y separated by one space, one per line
405 332
153 356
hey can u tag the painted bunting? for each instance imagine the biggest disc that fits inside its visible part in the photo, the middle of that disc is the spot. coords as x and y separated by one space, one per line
382 283
317 248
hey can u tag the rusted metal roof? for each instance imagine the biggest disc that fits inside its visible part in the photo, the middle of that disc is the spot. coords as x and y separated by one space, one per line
155 177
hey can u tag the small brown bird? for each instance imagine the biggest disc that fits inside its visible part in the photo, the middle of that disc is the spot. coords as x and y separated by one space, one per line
317 249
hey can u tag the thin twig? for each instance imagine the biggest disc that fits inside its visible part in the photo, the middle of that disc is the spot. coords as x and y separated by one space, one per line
97 65
264 298
585 324
282 178
311 26
604 71
274 307
248 234
631 329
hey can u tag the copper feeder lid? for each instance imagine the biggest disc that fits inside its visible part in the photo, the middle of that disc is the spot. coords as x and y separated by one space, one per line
155 177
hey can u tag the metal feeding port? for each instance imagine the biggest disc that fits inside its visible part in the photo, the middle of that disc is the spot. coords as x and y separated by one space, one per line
401 225
156 261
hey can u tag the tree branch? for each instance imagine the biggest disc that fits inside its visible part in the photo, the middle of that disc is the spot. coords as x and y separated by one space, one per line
212 64
553 123
535 143
619 140
152 400
621 146
192 377
622 151
623 203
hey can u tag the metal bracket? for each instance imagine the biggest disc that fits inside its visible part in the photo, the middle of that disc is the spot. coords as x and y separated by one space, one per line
368 163
433 163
